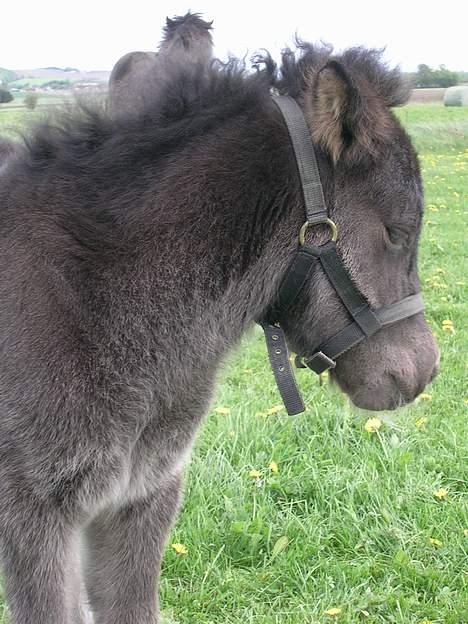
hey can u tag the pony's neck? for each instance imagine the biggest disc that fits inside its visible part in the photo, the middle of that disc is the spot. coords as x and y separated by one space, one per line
235 221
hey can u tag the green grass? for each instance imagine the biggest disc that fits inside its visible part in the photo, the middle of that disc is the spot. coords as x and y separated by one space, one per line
29 82
13 118
15 115
347 520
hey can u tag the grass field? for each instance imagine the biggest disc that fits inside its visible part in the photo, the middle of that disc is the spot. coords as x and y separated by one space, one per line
427 96
44 99
312 519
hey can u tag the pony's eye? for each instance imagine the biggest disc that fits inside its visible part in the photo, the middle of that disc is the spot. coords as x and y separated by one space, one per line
395 238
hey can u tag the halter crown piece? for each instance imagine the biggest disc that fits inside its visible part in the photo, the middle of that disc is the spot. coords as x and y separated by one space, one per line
365 321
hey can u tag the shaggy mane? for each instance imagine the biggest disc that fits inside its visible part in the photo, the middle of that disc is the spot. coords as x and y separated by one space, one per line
297 66
194 100
189 20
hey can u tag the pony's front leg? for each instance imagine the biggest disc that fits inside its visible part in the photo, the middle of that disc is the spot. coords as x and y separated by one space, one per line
35 548
80 613
124 551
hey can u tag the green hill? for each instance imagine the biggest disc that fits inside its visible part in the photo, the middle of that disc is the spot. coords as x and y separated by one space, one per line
7 75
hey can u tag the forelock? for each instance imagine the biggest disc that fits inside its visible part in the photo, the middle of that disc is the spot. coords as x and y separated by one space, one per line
293 75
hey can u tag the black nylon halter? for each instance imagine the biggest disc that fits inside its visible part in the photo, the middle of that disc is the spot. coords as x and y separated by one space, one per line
366 321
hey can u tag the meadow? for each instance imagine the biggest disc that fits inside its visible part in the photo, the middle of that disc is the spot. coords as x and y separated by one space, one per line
326 517
43 99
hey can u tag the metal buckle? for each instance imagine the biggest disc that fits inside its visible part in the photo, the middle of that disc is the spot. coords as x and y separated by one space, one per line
320 362
331 224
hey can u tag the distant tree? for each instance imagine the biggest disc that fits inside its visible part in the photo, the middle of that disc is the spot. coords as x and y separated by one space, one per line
444 77
57 84
30 101
427 77
7 75
64 69
5 96
424 76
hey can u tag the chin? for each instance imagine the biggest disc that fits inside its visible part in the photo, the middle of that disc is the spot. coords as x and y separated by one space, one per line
385 396
375 403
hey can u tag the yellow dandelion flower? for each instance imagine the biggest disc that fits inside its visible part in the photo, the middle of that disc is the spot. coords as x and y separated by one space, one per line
274 410
273 466
255 474
421 422
224 411
424 396
323 377
441 493
334 611
435 542
180 549
373 425
465 532
447 326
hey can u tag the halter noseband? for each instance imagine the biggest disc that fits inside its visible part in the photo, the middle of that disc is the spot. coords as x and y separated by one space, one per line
366 321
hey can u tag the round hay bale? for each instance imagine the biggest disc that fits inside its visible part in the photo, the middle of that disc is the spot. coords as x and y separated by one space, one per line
456 96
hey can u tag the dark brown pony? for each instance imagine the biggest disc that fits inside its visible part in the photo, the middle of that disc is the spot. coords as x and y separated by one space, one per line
8 149
187 39
135 251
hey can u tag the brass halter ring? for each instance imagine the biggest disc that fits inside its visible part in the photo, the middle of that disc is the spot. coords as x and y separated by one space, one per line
305 227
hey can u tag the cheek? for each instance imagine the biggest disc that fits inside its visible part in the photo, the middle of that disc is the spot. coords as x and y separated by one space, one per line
383 276
316 316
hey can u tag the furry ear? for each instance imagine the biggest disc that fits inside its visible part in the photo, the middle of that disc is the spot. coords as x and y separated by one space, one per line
347 117
170 23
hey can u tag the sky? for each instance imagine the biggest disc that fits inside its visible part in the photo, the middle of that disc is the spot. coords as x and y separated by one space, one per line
93 34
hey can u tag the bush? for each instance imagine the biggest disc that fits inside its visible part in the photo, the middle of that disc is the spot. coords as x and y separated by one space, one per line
6 75
57 84
5 96
426 77
30 101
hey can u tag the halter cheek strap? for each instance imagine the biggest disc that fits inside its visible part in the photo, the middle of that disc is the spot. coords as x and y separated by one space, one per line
365 320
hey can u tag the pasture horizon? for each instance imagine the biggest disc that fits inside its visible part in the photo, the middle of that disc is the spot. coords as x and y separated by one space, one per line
407 31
